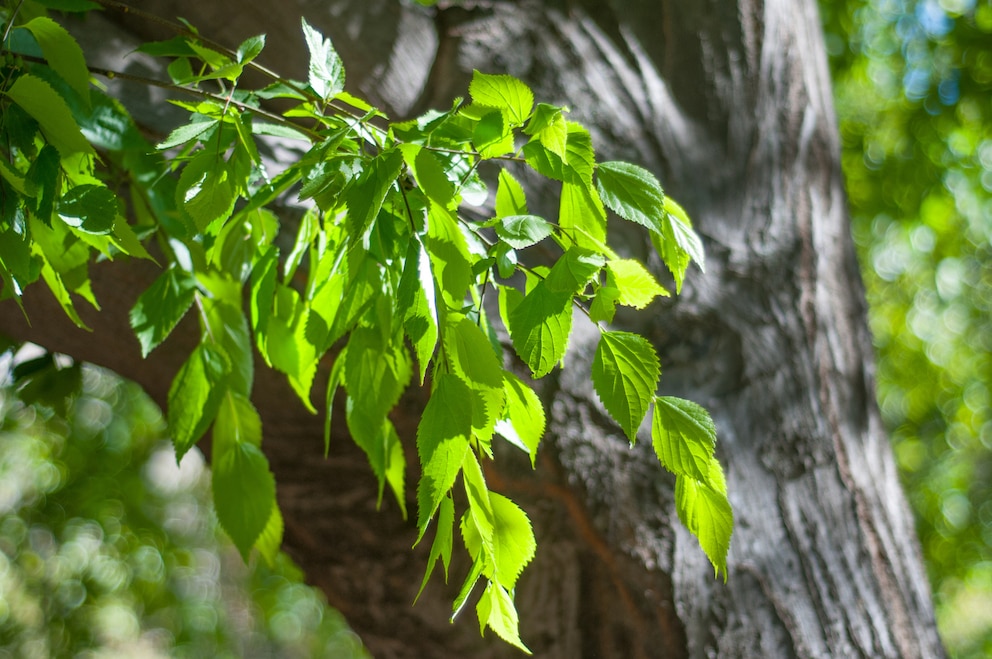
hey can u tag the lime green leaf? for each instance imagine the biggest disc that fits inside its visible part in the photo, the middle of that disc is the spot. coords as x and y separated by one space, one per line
603 306
633 193
513 540
228 327
470 580
326 75
472 359
582 217
237 421
269 542
449 256
510 198
574 270
61 293
539 328
183 134
520 231
89 208
417 305
678 244
206 189
625 372
492 136
636 286
44 104
263 285
684 437
431 176
504 93
62 52
442 441
496 610
705 510
364 198
289 349
524 422
443 542
334 380
244 493
195 395
160 308
127 240
549 126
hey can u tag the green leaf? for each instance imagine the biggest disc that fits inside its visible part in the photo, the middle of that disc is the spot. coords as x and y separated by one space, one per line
431 177
244 493
237 421
705 510
442 441
539 328
263 284
62 52
520 231
510 198
684 437
269 542
49 109
417 305
633 193
637 288
603 306
449 256
228 327
288 346
326 74
160 308
183 134
206 189
524 422
492 136
496 610
250 48
678 244
443 542
195 396
89 208
513 540
375 373
472 359
42 182
549 126
364 198
625 372
504 93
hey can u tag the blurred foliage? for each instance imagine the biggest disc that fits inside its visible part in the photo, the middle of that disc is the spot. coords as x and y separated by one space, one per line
107 549
913 85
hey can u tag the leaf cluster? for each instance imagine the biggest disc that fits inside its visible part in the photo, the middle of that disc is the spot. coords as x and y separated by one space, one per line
386 278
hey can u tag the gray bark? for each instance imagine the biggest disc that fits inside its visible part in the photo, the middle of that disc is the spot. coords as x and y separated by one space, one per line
729 102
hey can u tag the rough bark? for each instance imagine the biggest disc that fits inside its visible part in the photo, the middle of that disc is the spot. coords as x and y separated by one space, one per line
729 102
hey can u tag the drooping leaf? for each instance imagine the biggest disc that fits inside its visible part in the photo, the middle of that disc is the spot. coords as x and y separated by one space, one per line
263 284
705 510
684 437
49 109
62 52
582 217
496 610
287 344
524 422
443 542
269 542
539 328
472 359
160 308
228 327
89 208
326 74
678 244
510 197
633 193
449 255
244 493
364 198
625 372
417 305
504 93
237 421
206 189
513 540
42 182
195 396
442 441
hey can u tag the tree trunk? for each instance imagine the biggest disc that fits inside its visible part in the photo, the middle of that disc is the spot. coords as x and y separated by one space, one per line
729 102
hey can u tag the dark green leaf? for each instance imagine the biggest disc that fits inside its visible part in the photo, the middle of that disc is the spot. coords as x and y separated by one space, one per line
89 208
42 182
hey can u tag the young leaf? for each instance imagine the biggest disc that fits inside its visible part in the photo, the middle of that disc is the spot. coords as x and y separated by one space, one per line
206 189
549 126
582 217
496 610
62 52
705 510
160 308
678 244
442 441
364 198
237 421
244 493
443 542
270 540
684 437
187 132
625 372
89 208
633 193
289 349
472 359
637 288
263 284
44 104
417 306
510 198
326 75
524 422
250 48
520 231
504 93
513 540
539 328
195 395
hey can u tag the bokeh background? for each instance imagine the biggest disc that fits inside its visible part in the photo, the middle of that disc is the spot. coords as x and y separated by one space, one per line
110 549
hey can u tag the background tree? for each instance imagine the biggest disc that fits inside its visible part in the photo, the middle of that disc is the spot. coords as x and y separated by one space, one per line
732 108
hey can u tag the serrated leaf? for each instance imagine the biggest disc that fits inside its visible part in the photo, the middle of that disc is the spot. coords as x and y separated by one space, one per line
42 182
326 72
206 189
89 208
62 52
539 328
228 327
549 126
603 307
160 308
431 176
472 359
237 421
244 493
443 542
442 441
706 512
510 197
417 306
625 372
364 197
195 396
50 110
504 93
636 286
187 132
678 244
576 167
524 422
496 610
492 136
520 231
449 255
513 540
269 542
684 437
287 344
633 193
263 284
